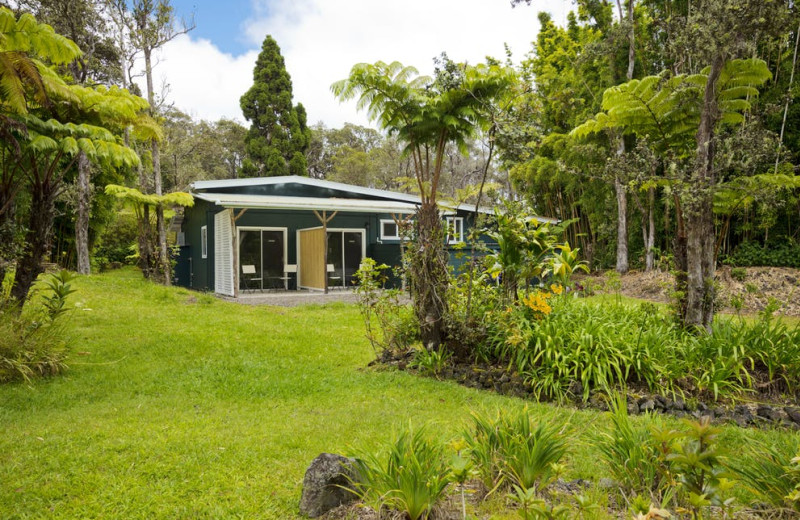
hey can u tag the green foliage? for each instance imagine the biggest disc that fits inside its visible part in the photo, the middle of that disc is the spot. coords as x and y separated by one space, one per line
751 254
739 274
278 134
34 342
698 464
411 478
610 346
634 456
431 362
513 448
665 110
390 324
771 471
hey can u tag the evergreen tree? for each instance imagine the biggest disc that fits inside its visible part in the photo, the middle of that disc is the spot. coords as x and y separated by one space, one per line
278 135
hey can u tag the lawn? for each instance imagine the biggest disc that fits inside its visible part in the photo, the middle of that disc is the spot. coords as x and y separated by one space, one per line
179 405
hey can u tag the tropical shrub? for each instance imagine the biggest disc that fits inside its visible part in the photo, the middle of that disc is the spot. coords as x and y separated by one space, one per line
410 478
34 341
751 254
512 448
390 324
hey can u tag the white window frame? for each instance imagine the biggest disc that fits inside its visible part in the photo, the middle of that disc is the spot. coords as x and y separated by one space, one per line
456 226
396 227
204 242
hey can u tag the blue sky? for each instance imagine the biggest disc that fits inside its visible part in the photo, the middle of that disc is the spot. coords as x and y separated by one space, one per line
219 21
207 71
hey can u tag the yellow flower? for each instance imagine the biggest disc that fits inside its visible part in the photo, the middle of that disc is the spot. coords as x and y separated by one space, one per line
556 288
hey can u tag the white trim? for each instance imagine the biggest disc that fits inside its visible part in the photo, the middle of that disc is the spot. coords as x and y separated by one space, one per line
319 183
457 225
239 230
236 200
396 236
204 242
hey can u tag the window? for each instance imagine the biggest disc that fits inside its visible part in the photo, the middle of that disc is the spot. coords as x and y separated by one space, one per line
455 230
389 230
204 241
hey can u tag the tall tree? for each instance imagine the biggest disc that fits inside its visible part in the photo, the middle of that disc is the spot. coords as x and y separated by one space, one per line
278 135
426 116
154 25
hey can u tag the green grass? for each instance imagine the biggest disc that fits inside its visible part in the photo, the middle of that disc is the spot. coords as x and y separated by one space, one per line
178 405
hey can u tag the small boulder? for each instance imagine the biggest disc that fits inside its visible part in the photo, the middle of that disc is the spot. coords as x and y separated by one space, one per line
793 413
327 484
769 413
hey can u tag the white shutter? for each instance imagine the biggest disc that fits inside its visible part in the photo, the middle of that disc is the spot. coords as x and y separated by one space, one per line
223 253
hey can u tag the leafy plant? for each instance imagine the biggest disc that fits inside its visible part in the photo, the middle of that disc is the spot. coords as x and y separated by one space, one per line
698 463
390 325
632 455
410 478
431 362
34 341
510 448
772 471
739 274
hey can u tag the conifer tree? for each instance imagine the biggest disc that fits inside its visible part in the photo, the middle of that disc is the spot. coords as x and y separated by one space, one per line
278 135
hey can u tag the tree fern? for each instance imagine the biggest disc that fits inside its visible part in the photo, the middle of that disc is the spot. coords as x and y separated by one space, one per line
666 110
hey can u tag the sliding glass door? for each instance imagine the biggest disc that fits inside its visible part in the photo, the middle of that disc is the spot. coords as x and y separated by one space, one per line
262 258
345 252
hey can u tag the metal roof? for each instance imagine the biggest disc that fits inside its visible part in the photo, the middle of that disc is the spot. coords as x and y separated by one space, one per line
320 183
236 200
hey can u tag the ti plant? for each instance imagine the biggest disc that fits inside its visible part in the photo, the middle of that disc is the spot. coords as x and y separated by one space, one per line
698 464
59 288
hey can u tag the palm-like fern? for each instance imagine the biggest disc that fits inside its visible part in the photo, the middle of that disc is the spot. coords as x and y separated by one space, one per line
666 110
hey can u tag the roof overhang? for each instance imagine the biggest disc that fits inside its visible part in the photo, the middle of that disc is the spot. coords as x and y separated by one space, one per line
236 200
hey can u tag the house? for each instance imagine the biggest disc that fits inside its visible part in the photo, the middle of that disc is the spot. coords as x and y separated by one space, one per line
293 233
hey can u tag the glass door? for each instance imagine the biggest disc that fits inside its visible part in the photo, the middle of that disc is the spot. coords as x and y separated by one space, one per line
272 261
261 257
345 252
335 259
352 257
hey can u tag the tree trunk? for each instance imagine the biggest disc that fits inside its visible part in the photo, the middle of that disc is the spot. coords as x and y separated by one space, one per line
82 220
37 238
163 257
650 241
622 222
428 275
700 257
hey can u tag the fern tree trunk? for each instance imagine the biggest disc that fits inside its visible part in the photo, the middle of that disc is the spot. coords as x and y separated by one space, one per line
428 275
82 220
700 233
163 258
37 237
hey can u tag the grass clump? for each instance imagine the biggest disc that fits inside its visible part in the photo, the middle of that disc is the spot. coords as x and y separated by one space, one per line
513 448
410 478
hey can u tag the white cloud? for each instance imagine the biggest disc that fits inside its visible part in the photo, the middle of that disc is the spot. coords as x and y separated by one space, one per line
322 39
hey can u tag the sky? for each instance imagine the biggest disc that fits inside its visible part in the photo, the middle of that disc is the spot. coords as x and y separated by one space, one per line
208 69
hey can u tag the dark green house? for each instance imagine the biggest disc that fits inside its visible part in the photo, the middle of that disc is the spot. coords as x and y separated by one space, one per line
293 233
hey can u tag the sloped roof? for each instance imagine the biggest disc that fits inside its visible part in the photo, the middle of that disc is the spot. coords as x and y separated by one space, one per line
236 200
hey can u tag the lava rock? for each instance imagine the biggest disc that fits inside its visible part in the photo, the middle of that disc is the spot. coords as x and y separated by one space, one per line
679 405
647 406
327 484
768 412
633 409
793 413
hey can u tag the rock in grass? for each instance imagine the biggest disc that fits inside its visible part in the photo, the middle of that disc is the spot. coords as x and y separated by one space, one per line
327 484
769 413
793 413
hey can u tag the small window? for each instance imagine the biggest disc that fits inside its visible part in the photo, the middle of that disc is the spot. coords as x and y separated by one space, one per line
389 230
204 241
455 230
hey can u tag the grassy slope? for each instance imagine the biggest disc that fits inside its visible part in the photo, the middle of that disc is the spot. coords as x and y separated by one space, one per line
189 407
